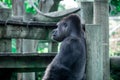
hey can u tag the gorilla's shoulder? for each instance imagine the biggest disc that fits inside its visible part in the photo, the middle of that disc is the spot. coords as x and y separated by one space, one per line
72 40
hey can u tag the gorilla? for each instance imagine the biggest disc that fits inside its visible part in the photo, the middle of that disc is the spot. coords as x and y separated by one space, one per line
70 62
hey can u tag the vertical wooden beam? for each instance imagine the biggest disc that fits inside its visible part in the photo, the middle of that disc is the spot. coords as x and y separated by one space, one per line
94 69
53 47
87 18
28 46
87 12
23 45
5 44
17 12
17 7
101 13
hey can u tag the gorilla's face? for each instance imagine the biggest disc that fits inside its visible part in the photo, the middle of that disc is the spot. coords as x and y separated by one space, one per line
61 32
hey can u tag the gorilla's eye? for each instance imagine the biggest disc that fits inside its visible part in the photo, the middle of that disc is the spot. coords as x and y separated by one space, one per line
65 24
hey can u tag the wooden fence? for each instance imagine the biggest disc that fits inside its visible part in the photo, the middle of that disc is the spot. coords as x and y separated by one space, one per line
21 25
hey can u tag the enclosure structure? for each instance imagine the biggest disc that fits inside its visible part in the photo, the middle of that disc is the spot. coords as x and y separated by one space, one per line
20 25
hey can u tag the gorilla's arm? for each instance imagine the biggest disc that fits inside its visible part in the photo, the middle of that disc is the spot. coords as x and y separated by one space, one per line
61 64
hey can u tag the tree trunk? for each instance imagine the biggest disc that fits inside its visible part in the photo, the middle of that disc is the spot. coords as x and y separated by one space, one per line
45 5
55 5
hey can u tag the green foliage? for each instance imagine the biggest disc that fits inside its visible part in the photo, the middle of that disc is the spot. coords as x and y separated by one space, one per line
115 2
7 2
14 46
29 8
114 33
42 47
111 52
116 5
40 75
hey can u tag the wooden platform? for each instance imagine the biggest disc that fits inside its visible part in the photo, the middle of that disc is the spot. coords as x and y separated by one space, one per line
28 62
36 62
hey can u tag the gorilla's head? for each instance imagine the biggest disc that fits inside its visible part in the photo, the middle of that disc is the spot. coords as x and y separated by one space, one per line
70 25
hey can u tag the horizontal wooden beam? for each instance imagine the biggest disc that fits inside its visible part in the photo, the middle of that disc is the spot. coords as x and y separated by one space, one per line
28 62
26 30
115 63
115 67
35 62
29 24
18 32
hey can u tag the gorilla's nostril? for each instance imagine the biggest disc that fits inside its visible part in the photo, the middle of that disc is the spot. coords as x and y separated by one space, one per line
53 35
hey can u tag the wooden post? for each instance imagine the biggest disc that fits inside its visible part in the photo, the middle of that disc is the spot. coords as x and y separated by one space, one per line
5 44
53 47
101 13
94 69
87 18
87 12
28 46
17 11
23 45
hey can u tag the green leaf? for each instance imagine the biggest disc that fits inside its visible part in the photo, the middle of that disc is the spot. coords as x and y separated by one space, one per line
29 8
118 8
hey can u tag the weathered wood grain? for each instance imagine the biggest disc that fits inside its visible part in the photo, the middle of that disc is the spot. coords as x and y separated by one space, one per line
101 14
29 62
94 56
26 30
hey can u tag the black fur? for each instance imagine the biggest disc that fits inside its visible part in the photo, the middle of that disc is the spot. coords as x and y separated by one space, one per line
69 63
